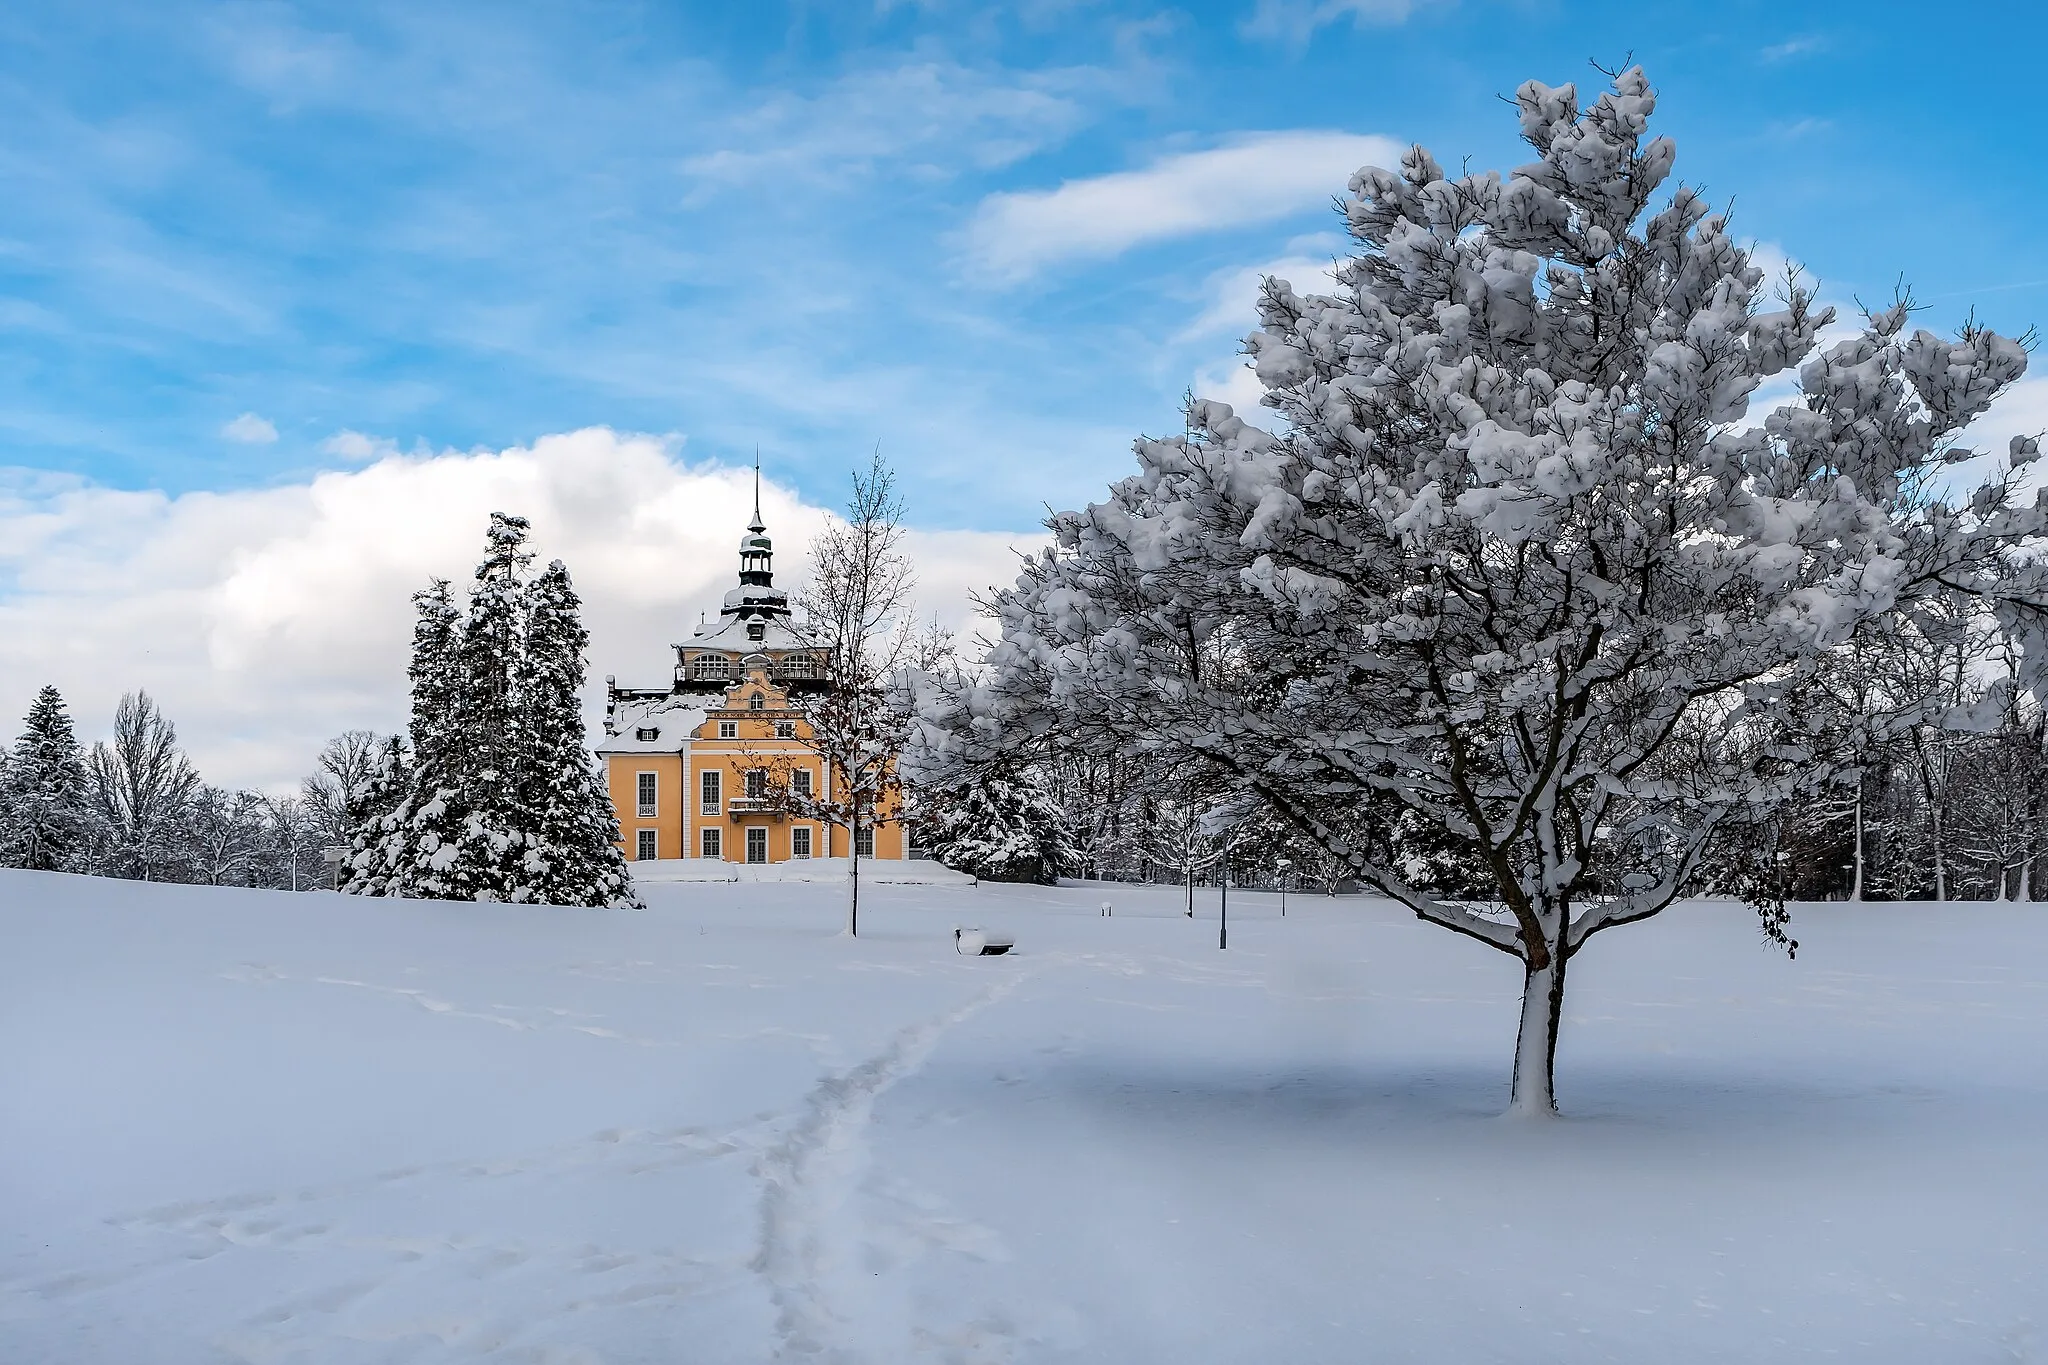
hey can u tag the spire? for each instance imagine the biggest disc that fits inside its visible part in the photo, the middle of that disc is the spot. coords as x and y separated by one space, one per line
757 525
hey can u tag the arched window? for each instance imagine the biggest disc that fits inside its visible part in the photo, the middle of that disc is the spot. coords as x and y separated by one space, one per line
799 666
756 702
712 667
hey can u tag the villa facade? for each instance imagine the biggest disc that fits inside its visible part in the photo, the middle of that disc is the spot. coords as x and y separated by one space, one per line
701 766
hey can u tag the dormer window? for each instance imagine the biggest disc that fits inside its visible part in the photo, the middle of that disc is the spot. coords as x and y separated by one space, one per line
756 702
647 734
757 631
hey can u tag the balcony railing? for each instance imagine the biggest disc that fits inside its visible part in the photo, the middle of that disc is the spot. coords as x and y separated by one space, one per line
751 805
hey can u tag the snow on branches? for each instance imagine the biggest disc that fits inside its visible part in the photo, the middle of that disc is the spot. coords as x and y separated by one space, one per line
499 798
1522 569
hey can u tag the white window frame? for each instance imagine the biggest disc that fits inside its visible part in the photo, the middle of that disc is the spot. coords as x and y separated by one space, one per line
647 846
757 784
647 794
710 844
800 782
757 836
864 841
710 791
800 841
728 729
785 729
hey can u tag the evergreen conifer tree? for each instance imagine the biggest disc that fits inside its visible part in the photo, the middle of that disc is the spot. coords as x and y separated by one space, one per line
572 854
43 809
398 849
1000 826
484 723
499 800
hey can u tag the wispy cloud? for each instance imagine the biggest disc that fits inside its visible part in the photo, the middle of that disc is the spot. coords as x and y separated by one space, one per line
249 429
1296 21
1254 178
939 114
1804 45
1233 294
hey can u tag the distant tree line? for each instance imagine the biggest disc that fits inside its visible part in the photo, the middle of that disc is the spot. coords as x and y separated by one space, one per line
134 806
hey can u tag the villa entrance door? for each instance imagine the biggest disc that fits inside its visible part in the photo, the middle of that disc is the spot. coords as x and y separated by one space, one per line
757 844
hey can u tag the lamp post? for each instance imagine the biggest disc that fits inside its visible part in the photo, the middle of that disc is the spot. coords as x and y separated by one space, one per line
1285 866
1223 904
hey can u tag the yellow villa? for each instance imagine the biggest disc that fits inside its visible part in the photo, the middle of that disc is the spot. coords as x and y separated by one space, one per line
690 763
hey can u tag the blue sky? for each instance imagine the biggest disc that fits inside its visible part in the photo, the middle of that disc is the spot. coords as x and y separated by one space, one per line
814 227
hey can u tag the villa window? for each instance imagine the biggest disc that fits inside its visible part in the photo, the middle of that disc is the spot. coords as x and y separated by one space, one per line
728 729
864 843
757 702
785 729
647 734
800 781
709 844
757 844
647 794
710 792
645 851
712 666
757 784
800 842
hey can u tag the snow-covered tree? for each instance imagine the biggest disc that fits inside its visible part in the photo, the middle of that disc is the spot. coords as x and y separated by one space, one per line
1000 826
572 855
1522 566
228 838
857 609
43 799
497 798
140 788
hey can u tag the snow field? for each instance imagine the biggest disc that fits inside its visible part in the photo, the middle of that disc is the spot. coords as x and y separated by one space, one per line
249 1126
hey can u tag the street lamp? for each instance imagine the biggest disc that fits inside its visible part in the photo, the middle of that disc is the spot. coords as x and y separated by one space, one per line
1223 904
1285 866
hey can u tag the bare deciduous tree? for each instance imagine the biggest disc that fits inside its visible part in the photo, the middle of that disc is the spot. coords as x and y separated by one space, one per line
857 609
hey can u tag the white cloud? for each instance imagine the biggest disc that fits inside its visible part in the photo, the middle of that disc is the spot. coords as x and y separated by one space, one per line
1255 178
357 448
1296 21
266 620
1234 294
939 113
249 429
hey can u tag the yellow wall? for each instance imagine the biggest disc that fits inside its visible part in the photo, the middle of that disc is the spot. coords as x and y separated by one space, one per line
667 823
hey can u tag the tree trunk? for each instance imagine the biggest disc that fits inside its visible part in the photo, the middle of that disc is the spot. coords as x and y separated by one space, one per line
1856 882
853 883
1940 862
2026 889
1535 1092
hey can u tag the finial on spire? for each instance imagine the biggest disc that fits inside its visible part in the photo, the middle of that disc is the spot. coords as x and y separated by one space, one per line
757 525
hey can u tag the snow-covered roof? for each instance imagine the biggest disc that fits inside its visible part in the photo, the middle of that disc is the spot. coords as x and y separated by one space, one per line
730 633
672 719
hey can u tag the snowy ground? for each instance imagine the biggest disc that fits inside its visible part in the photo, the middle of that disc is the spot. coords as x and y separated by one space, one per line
244 1126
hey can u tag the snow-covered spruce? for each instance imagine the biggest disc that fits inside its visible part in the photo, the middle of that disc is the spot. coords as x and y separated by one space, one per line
500 799
1522 566
43 809
1000 826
